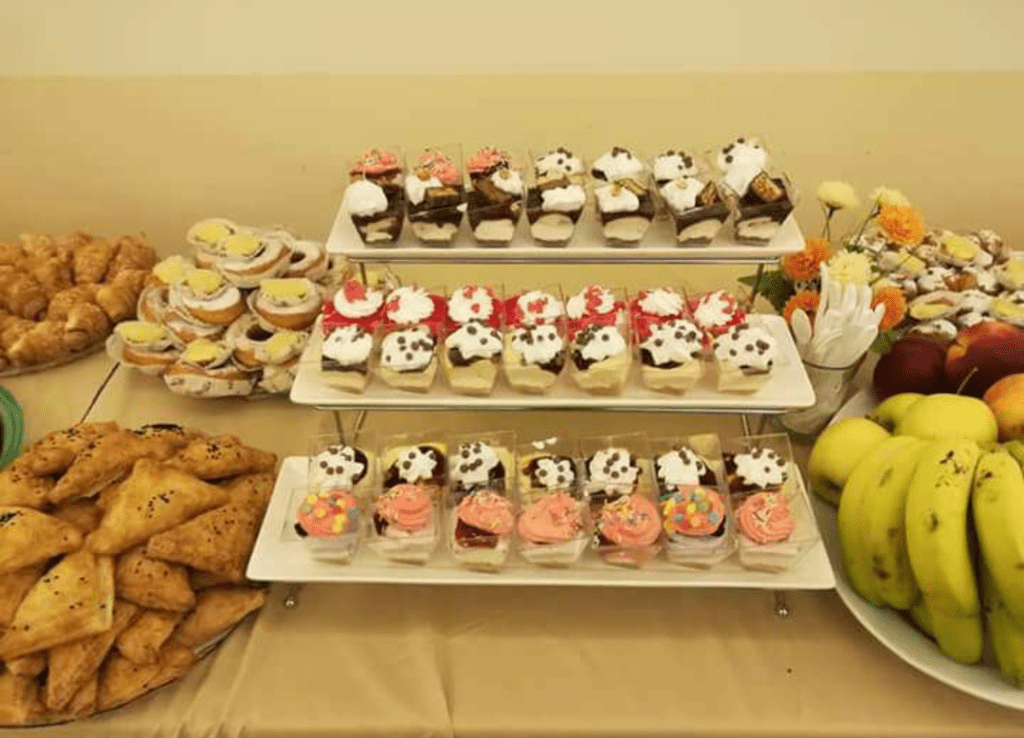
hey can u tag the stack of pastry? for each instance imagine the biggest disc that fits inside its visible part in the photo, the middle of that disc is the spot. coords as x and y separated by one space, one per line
232 321
122 562
60 296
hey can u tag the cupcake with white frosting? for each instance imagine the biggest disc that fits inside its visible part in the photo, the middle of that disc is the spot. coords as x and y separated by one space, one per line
556 197
534 344
375 199
763 201
495 199
625 205
745 357
434 194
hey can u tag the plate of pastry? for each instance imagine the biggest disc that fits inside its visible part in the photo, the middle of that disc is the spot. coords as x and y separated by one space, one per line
122 563
61 296
231 320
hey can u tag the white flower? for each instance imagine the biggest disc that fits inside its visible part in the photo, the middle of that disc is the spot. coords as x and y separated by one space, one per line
888 196
849 267
837 195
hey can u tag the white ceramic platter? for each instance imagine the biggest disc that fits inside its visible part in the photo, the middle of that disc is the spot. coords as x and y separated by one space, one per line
280 555
658 245
789 388
895 633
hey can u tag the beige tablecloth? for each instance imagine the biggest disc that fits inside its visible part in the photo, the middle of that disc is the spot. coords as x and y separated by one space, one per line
366 660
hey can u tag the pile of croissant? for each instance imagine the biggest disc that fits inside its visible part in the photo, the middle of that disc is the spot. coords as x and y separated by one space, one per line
122 561
62 295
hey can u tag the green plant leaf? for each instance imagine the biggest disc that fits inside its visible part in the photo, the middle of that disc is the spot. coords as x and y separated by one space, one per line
776 289
883 344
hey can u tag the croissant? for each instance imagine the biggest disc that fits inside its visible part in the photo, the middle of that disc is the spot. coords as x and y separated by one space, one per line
62 302
132 253
119 298
52 273
20 294
40 344
86 325
12 328
91 260
11 254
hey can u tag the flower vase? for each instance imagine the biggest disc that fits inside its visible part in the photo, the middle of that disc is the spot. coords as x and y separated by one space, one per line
832 386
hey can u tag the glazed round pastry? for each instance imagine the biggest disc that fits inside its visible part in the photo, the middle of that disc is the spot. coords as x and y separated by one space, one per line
205 369
287 303
307 259
765 518
693 511
253 346
149 347
934 305
554 518
629 521
328 514
153 300
186 330
249 258
940 327
206 237
935 279
205 297
1010 274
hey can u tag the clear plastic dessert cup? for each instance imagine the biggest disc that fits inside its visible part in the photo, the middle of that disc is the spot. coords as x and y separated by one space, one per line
435 193
553 525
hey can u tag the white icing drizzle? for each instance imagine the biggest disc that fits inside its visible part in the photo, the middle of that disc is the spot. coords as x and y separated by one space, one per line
416 188
411 349
761 467
675 341
597 343
576 306
974 301
508 180
348 345
470 303
475 341
674 164
742 161
748 347
409 305
614 198
360 308
661 301
338 467
680 467
618 163
472 463
612 467
939 327
557 162
226 296
365 198
415 465
681 194
986 280
539 344
555 473
714 309
563 199
538 306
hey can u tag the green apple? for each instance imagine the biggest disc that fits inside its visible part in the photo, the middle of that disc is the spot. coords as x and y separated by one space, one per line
837 451
891 411
949 416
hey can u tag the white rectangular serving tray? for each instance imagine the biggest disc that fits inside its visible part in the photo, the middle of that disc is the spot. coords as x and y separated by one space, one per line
281 556
787 389
588 245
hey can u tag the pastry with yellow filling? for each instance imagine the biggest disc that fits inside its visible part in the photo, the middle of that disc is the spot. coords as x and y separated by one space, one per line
934 305
248 258
206 369
149 347
204 296
206 237
290 303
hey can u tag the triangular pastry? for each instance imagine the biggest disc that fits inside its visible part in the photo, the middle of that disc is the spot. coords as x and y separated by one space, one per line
72 663
14 586
55 452
30 665
154 498
122 680
30 537
253 490
153 583
102 463
19 486
141 641
19 700
223 456
217 610
219 541
83 703
73 600
83 514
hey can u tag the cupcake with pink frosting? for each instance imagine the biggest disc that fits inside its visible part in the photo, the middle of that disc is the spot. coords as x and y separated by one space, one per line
495 199
627 529
552 527
405 524
330 524
375 199
768 529
434 194
482 528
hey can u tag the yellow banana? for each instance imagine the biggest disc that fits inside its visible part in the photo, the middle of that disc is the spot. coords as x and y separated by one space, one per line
885 531
1007 636
937 541
922 618
873 470
998 503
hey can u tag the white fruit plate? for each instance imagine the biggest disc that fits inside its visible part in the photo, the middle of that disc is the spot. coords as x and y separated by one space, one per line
891 629
789 388
658 246
281 556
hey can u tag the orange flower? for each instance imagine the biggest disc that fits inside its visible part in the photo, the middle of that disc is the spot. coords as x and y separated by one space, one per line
804 265
895 307
807 301
902 224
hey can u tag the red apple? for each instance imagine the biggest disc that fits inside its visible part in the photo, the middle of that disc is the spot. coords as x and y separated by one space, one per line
1006 400
982 355
915 363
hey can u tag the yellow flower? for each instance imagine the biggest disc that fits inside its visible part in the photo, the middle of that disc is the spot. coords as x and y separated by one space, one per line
888 196
849 267
901 224
837 195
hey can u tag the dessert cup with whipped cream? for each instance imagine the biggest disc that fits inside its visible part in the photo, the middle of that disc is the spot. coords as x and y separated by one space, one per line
414 458
615 465
759 464
435 194
375 196
535 341
495 199
473 343
414 325
555 196
669 345
553 522
481 460
745 358
694 500
716 313
599 349
691 197
404 523
622 193
336 465
350 325
763 200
